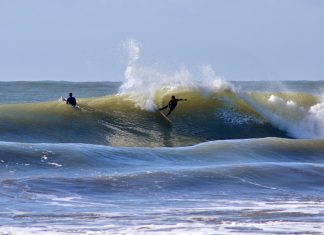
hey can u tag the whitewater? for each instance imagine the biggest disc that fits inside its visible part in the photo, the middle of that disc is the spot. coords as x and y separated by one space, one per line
238 158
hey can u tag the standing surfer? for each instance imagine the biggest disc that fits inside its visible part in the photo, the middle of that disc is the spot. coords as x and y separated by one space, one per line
172 104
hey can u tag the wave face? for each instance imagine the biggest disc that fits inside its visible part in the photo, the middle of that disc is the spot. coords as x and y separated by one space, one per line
115 120
118 120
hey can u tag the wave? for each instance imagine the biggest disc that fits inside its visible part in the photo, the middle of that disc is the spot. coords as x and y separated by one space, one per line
267 164
300 114
219 152
215 110
118 121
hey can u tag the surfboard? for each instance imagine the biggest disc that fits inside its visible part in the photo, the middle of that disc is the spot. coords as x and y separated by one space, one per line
165 117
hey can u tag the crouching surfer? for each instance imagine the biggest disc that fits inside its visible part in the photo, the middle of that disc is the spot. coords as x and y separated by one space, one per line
172 104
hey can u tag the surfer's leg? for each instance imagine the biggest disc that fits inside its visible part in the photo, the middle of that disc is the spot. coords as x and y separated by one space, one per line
164 107
169 112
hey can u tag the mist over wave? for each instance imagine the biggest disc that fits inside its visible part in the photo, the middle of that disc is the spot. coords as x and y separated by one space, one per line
143 84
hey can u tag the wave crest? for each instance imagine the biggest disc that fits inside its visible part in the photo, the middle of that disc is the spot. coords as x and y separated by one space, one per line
143 84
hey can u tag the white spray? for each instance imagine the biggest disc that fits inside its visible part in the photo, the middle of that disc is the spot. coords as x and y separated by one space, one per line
300 122
313 122
142 83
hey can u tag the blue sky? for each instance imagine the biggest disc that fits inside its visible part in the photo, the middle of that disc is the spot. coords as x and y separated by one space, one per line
82 40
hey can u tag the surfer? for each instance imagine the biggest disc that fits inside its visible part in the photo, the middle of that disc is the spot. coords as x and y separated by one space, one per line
71 100
172 104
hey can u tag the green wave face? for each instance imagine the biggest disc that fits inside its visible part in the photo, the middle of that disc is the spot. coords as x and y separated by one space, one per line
122 120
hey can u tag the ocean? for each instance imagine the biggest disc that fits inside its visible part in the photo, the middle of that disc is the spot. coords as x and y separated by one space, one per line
238 158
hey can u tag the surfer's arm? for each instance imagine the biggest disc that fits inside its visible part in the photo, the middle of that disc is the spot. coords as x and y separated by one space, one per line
181 99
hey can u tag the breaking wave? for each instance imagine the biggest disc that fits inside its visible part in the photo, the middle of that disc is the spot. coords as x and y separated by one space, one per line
215 110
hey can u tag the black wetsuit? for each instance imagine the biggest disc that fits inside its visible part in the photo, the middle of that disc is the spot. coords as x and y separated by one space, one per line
71 100
172 104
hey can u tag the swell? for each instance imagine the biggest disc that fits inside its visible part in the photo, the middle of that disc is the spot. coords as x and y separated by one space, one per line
28 156
259 164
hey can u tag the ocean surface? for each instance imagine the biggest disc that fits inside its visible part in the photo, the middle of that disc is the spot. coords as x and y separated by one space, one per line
238 158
